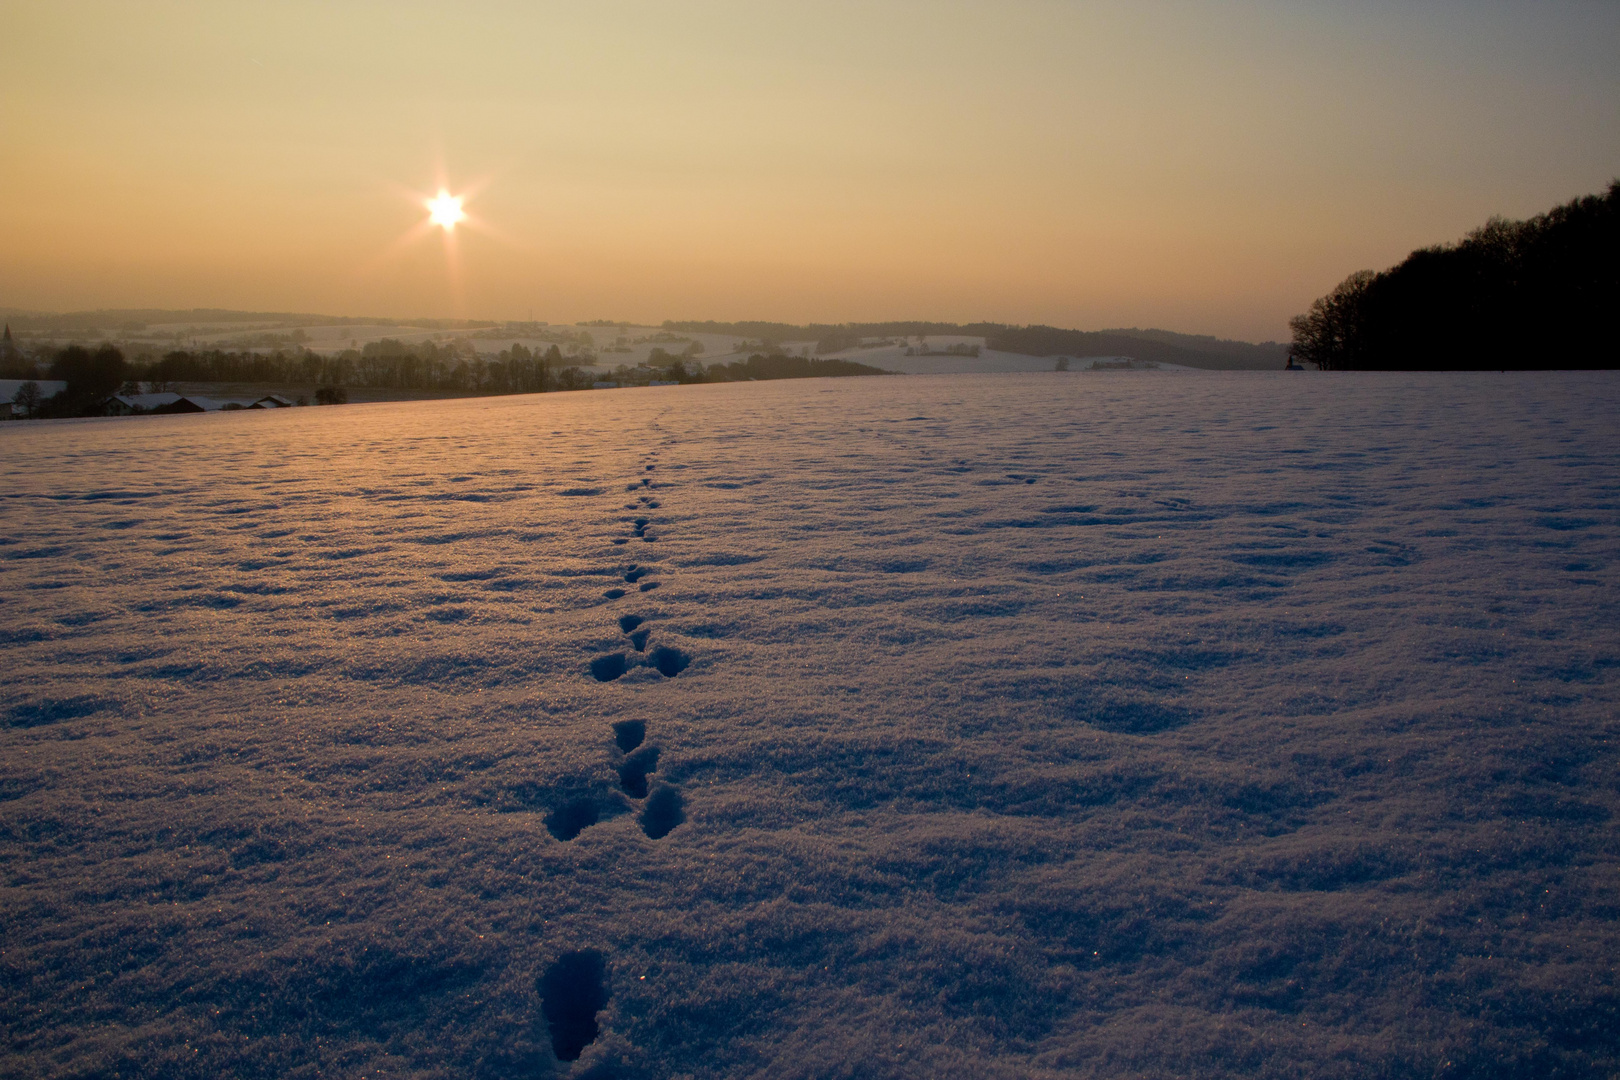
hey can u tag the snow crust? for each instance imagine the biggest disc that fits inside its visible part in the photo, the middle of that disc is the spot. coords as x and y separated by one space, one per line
1004 726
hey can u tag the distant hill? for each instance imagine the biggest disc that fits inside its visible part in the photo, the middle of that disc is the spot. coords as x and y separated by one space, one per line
140 318
1159 346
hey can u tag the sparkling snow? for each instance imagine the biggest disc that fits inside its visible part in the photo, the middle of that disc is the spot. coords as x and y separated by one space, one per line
995 726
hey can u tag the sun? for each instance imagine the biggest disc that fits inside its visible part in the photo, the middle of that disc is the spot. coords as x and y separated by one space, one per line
445 210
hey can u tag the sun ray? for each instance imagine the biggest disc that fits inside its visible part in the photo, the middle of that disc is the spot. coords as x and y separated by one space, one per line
447 214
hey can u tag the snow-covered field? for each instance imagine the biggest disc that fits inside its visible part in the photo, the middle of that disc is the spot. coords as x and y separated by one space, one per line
1006 726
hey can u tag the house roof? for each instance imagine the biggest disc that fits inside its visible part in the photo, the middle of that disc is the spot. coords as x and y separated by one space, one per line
146 402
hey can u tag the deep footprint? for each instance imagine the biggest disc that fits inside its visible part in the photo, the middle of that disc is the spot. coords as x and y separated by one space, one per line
572 818
639 639
669 662
613 594
628 623
634 574
608 667
634 769
665 810
572 991
628 734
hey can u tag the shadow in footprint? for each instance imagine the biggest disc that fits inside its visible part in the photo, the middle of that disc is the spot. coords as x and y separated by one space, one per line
639 639
628 734
665 810
635 574
572 818
648 586
634 769
669 662
608 667
613 594
628 623
572 991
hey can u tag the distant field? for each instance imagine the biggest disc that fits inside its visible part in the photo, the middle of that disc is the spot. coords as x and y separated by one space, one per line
1007 726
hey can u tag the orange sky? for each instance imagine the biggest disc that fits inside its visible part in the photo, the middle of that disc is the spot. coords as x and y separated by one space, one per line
1199 167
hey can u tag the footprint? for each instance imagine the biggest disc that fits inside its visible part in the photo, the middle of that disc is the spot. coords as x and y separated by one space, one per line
572 991
639 638
620 540
648 586
669 662
635 573
665 810
628 623
613 594
629 734
633 771
609 666
572 818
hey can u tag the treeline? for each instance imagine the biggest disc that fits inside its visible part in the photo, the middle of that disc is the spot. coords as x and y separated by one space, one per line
1536 294
779 366
1161 346
94 376
1150 346
830 337
387 363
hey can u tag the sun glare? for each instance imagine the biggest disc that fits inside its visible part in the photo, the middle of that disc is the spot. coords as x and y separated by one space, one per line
445 211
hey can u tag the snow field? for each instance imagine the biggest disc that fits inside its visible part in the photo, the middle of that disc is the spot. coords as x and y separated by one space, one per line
989 725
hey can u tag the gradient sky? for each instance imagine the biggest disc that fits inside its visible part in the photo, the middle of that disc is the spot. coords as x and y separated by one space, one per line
1206 167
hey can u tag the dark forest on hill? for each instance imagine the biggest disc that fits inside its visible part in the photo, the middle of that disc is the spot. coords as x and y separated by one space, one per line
1182 349
1512 295
1160 346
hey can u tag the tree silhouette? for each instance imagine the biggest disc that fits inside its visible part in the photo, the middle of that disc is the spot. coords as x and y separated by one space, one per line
28 398
1536 294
